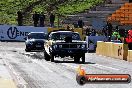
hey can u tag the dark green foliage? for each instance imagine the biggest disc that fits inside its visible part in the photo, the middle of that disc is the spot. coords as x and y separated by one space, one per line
9 8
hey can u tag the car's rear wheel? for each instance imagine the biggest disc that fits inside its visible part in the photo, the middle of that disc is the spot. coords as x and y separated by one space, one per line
27 49
46 56
83 58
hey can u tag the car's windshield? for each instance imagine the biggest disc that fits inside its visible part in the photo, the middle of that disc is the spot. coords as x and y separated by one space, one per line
37 36
62 36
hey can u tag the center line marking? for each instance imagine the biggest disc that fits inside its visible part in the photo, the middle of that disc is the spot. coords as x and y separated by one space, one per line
102 66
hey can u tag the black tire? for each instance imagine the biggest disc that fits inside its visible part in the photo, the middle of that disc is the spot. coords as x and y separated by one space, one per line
46 56
27 50
83 58
52 57
76 59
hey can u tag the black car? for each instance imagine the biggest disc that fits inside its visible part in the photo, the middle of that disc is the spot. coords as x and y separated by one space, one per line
63 44
35 41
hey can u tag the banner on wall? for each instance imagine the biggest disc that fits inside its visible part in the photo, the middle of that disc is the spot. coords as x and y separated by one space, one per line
18 33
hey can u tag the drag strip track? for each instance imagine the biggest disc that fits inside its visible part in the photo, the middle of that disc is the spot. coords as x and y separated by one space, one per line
38 73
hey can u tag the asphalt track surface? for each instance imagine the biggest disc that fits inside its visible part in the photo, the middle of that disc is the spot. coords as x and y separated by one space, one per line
30 70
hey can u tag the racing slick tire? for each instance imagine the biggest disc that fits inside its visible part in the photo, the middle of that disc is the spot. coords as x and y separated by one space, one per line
83 58
46 56
27 50
52 58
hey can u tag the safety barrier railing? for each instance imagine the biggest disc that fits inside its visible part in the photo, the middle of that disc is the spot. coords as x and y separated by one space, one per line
114 50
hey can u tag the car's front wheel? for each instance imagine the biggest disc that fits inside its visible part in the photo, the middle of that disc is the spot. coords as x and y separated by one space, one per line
46 56
83 58
52 57
27 49
76 59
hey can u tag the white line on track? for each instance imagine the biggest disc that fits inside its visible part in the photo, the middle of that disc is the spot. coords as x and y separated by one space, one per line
95 65
102 67
71 66
68 75
27 53
18 79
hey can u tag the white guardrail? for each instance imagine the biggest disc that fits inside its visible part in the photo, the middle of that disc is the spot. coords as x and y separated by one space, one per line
18 33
